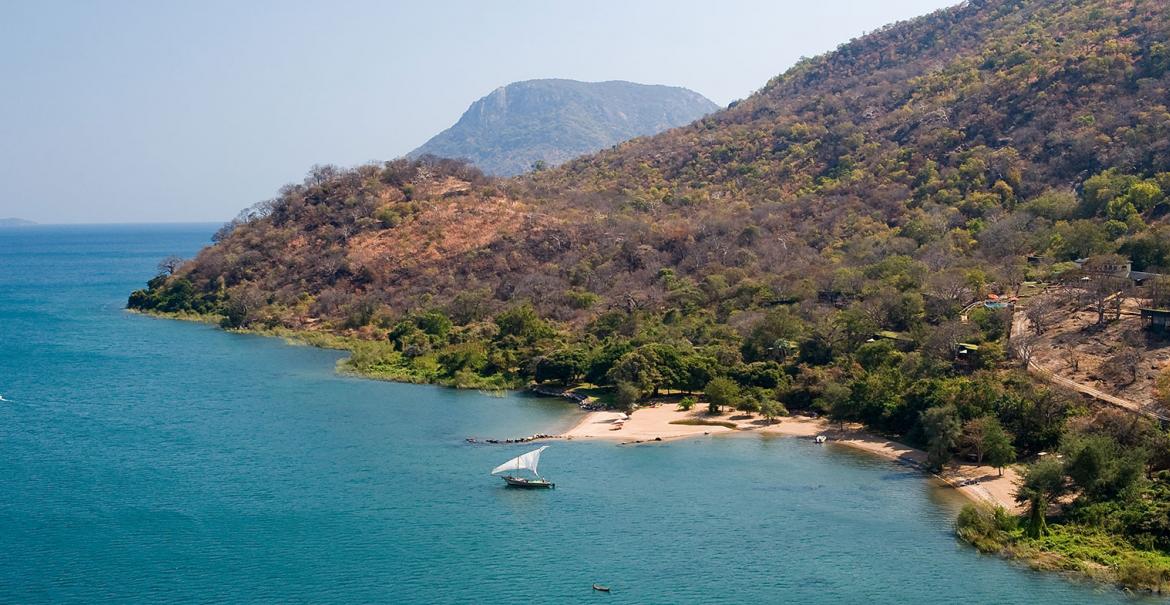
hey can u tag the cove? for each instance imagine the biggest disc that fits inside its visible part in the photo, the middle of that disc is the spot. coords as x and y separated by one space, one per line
155 461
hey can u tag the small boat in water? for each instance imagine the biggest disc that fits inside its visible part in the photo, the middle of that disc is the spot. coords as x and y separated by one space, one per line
526 462
821 439
600 588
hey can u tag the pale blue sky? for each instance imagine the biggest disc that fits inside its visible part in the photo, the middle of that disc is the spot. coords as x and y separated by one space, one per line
139 111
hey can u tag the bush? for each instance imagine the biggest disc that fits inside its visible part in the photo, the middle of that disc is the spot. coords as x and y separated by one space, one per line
389 217
579 299
985 527
1143 572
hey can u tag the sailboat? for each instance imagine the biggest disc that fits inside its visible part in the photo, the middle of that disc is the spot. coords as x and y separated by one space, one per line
524 462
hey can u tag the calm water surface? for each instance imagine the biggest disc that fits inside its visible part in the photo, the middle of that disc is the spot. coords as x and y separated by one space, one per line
155 461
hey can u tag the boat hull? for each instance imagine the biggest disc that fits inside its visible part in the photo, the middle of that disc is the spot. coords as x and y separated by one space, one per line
528 483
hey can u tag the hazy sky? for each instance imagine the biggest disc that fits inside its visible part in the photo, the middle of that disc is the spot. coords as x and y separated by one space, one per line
144 111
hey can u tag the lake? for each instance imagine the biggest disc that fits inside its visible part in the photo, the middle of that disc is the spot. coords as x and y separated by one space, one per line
156 461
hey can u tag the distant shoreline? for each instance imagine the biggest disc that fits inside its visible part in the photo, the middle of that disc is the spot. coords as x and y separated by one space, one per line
14 223
213 225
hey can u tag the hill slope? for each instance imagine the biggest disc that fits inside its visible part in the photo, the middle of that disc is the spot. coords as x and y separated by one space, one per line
949 143
902 162
552 121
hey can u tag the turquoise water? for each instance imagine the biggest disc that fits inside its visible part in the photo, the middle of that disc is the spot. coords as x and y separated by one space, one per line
154 461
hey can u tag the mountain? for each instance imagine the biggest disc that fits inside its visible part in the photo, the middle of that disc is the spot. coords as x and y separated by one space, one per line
551 121
15 222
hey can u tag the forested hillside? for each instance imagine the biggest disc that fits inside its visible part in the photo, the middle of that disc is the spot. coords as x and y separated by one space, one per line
540 123
811 247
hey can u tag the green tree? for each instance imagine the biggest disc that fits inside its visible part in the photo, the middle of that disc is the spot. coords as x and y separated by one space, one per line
1043 482
1080 239
1035 415
721 392
994 323
638 369
998 448
879 397
696 372
877 354
563 365
656 365
837 401
178 295
604 359
1149 249
770 409
943 430
670 364
774 337
1053 204
986 438
470 356
764 374
1101 467
749 402
1144 195
855 325
522 322
434 323
1101 188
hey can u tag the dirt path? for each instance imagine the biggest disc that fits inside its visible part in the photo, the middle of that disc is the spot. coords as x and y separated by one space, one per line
1020 327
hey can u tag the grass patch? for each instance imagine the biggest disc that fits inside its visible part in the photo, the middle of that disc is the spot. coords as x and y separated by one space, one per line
602 395
702 422
1074 548
321 340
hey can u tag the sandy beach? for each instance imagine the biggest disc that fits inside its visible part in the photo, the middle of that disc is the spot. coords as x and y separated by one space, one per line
649 424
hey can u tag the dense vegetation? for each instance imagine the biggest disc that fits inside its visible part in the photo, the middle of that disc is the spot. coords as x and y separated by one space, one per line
1114 522
812 247
542 123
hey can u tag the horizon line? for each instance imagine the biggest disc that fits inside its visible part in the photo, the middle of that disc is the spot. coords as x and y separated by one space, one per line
33 224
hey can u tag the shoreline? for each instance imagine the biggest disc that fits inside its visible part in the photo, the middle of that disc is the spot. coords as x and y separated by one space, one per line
654 423
981 484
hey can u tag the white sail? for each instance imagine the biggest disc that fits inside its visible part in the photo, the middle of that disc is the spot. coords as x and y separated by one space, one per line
522 462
